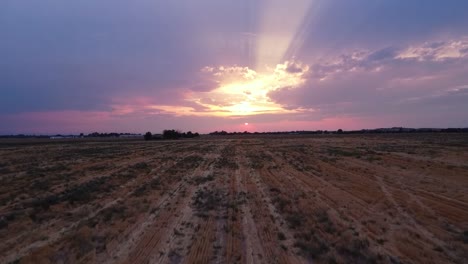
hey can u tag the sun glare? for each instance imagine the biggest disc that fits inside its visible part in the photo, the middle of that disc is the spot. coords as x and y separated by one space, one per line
242 91
242 94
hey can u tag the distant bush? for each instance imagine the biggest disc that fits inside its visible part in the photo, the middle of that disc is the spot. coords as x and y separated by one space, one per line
148 136
170 134
190 134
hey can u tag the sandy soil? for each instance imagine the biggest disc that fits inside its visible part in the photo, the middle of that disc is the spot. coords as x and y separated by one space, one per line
246 199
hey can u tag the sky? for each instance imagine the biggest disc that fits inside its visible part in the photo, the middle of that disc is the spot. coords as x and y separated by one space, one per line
234 65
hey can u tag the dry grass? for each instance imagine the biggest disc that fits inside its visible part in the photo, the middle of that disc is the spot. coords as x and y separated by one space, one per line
265 199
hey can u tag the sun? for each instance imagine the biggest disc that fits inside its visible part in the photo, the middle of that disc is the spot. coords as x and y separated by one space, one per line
242 91
246 123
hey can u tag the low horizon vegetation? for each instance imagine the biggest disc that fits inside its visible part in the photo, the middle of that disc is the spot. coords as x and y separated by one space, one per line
170 134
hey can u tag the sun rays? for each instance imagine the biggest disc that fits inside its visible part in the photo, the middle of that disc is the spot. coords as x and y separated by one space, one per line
274 37
279 30
244 92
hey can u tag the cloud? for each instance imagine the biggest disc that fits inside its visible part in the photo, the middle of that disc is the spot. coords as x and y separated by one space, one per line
227 91
382 54
336 25
170 61
375 83
240 91
231 73
359 85
243 91
437 51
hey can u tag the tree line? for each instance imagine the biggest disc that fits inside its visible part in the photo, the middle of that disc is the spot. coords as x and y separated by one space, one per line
341 131
170 134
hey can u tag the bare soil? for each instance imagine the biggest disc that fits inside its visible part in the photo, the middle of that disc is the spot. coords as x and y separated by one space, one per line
393 198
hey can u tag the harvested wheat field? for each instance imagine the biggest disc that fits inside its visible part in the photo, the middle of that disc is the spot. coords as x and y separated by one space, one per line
399 198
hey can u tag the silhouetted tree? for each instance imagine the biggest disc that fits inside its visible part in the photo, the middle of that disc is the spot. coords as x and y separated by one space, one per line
171 134
340 131
148 136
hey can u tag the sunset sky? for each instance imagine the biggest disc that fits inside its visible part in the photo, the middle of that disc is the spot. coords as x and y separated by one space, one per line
235 65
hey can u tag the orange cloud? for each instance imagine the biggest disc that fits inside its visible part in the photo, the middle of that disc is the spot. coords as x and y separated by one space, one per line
243 91
239 91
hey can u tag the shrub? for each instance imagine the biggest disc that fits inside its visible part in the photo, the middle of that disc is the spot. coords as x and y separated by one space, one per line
3 223
294 220
201 179
140 191
207 200
148 136
281 236
313 248
171 134
114 213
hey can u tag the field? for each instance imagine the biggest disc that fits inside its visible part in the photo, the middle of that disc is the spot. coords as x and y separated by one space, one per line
245 199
